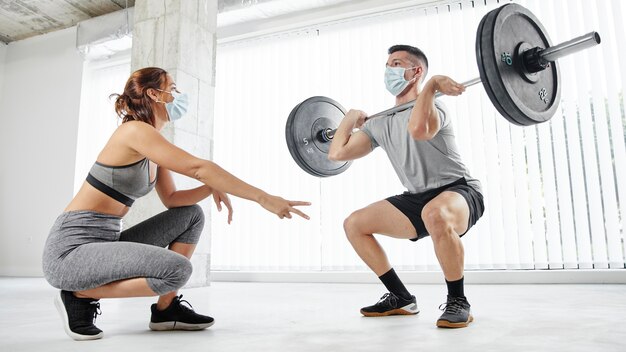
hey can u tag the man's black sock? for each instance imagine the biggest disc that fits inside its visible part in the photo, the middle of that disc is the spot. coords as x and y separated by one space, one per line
455 288
392 282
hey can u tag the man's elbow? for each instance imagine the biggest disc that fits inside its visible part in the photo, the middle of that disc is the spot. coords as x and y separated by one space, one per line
420 133
336 155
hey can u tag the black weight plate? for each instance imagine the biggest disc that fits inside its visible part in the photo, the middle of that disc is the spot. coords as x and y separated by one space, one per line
521 101
481 64
305 121
484 54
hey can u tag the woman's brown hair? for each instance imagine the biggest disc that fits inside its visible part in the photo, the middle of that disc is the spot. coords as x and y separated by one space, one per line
134 103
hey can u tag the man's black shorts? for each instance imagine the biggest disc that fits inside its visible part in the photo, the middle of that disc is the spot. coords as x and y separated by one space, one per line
411 204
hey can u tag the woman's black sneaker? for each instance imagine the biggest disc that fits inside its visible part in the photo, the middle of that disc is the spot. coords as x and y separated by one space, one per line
390 304
78 316
178 317
456 313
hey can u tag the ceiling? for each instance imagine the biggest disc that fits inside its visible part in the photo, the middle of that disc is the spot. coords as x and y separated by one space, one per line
21 19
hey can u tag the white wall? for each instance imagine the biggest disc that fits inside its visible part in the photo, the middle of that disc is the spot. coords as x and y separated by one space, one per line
39 117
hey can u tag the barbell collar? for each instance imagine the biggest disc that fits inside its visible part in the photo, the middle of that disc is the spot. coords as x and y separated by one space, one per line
532 61
537 59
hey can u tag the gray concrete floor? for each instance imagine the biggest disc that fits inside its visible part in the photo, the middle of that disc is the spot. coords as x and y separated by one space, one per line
325 317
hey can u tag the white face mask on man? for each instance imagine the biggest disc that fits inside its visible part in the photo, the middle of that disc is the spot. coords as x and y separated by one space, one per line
395 81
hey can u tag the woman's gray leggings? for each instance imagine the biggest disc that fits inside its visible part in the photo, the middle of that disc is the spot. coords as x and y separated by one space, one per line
86 249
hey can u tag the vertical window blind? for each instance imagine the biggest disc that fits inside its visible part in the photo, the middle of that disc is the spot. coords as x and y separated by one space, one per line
552 191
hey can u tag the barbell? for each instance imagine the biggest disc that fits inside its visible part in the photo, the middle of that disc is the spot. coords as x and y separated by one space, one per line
517 66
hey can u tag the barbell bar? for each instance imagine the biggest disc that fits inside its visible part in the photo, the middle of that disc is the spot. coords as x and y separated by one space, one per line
517 66
542 58
328 133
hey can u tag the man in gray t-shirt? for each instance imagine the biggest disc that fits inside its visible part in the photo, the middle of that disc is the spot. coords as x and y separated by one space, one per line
442 199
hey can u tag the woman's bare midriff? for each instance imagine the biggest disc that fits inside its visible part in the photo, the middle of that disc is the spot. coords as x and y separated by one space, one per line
89 198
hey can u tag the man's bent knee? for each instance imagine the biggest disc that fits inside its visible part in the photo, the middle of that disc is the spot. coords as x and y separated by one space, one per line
438 221
352 225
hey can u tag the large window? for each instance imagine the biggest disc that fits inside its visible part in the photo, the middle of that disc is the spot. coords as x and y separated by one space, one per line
97 118
552 191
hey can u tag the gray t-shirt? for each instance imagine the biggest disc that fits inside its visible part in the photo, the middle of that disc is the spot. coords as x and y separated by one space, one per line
420 165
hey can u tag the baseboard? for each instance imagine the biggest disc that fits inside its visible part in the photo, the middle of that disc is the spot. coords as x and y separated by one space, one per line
578 276
564 276
21 272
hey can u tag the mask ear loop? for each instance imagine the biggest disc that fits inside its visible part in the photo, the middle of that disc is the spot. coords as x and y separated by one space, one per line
162 91
415 75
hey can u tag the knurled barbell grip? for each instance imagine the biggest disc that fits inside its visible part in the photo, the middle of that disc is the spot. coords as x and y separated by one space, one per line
328 134
410 104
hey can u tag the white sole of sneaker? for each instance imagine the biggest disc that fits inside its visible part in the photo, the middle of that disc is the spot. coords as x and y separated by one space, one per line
177 325
58 303
409 309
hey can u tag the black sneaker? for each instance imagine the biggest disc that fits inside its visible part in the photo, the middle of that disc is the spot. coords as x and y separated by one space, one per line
456 313
178 317
78 316
391 304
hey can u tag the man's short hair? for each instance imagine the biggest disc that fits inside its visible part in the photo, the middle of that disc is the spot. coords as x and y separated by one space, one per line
417 53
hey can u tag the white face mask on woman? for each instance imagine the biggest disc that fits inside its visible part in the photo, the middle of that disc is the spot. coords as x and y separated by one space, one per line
394 79
177 107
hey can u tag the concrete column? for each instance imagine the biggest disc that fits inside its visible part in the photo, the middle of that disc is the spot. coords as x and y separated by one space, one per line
179 36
